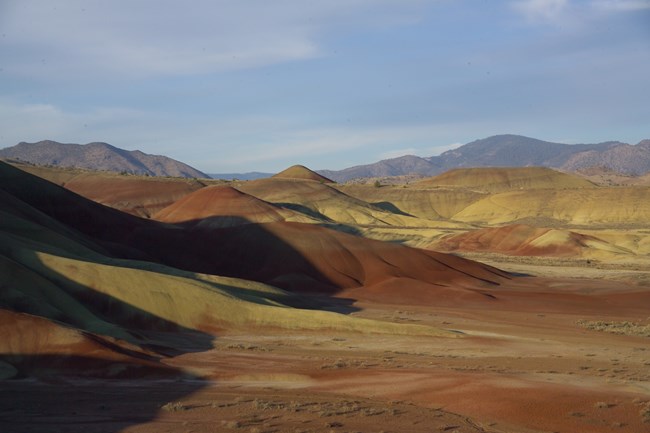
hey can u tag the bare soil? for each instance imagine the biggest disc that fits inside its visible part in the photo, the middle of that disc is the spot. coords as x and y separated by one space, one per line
529 364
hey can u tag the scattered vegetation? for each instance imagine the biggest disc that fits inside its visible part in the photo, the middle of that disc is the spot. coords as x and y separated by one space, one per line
645 413
174 406
621 328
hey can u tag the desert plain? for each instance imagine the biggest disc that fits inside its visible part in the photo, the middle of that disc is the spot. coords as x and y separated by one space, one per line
481 300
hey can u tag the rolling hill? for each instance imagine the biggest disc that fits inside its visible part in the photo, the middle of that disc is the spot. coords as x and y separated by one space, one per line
322 201
224 206
77 294
524 240
79 245
497 179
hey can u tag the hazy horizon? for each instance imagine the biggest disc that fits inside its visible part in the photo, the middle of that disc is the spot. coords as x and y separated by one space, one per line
232 87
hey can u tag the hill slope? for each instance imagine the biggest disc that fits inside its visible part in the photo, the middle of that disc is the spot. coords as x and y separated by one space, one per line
324 202
519 239
72 302
496 179
301 172
224 206
99 156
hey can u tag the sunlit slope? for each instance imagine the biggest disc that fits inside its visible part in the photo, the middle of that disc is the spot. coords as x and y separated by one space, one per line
302 172
108 299
428 203
525 240
224 206
497 179
446 195
44 273
325 202
588 206
303 257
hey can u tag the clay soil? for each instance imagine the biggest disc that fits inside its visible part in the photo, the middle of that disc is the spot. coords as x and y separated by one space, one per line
532 363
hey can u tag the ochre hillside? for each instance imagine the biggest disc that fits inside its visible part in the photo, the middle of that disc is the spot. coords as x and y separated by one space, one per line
325 202
70 293
228 314
496 179
302 257
573 207
301 172
415 200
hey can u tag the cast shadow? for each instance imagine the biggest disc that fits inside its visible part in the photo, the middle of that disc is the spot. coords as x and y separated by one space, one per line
42 391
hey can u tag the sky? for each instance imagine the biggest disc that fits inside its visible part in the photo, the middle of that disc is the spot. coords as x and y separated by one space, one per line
259 85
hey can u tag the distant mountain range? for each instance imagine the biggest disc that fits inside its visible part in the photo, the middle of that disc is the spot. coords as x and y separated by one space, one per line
510 151
495 151
98 156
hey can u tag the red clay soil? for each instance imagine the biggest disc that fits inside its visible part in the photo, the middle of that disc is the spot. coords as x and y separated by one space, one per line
516 239
524 363
134 195
37 347
308 258
294 256
224 206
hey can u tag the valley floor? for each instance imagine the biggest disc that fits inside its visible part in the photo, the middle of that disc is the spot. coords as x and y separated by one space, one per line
564 354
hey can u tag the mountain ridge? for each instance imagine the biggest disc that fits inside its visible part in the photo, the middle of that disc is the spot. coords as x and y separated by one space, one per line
509 150
99 156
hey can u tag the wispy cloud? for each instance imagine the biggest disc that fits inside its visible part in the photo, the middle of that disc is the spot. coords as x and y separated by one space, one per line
541 10
573 12
124 38
621 5
39 121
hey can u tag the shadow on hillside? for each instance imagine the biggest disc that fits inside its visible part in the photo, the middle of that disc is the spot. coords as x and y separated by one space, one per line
322 303
390 207
305 210
247 251
61 405
244 250
103 366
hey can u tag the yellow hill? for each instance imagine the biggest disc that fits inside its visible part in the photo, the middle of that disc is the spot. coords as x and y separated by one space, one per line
588 206
55 273
327 203
497 179
302 172
433 204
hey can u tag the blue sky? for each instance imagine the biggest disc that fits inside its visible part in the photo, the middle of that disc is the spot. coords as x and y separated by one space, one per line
258 85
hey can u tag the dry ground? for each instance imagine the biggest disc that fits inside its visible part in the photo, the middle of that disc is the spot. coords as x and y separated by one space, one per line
564 350
533 364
